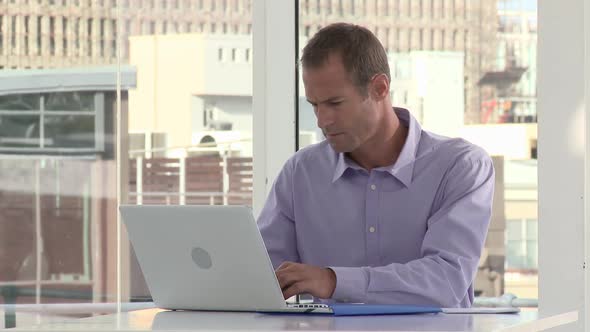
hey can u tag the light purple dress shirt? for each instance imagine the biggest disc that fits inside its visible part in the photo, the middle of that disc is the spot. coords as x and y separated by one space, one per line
408 233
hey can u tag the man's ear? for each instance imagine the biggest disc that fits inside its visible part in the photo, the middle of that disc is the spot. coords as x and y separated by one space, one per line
379 87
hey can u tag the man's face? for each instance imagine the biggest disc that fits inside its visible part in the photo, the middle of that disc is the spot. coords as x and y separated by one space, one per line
347 118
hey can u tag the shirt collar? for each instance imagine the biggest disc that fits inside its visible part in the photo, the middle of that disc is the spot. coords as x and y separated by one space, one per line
342 164
403 168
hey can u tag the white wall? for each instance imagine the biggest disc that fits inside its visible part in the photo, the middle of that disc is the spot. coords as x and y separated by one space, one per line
434 84
227 77
511 140
440 85
561 154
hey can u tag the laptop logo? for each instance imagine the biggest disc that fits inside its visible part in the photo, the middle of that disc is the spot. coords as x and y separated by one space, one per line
201 257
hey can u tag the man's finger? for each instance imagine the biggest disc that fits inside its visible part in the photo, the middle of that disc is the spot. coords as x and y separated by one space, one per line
286 279
286 265
291 271
293 290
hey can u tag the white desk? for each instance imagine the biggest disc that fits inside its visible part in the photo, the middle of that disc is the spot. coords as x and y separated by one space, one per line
156 319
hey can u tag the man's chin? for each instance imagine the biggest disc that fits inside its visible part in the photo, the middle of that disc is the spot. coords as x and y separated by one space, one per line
338 148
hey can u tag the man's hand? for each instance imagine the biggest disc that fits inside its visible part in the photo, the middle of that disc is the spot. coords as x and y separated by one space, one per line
296 278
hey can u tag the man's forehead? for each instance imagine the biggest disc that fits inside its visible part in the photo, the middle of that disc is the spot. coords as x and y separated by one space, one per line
332 59
329 71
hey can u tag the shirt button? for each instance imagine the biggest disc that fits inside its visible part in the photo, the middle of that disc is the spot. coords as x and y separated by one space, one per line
372 229
373 187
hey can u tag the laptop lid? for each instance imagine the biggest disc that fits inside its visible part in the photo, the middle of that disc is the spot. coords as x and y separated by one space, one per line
202 257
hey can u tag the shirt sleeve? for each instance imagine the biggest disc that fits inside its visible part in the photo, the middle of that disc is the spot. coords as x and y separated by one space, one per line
452 245
276 220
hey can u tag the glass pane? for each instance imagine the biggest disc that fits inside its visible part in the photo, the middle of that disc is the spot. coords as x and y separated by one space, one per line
58 195
515 254
514 230
19 131
20 102
70 101
190 115
532 254
69 131
459 78
531 230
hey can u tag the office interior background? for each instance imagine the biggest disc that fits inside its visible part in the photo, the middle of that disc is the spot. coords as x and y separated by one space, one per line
151 102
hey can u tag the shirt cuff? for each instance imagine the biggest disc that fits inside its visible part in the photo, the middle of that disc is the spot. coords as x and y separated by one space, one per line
351 284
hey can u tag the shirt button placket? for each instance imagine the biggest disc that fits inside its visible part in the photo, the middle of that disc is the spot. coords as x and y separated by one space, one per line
372 216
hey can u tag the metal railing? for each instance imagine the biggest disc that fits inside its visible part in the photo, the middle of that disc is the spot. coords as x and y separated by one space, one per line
224 149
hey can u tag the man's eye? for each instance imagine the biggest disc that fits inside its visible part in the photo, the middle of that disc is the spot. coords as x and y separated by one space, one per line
335 103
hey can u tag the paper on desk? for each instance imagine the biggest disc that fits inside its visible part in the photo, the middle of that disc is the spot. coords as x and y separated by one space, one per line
481 310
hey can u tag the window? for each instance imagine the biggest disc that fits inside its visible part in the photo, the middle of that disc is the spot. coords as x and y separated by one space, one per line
522 245
64 35
52 35
26 35
58 148
50 122
89 36
13 33
102 36
1 34
448 55
219 111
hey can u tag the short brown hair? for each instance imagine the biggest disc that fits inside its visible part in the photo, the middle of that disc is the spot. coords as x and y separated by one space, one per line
362 54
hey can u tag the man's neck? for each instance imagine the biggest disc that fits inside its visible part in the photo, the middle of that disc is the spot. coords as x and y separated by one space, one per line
384 148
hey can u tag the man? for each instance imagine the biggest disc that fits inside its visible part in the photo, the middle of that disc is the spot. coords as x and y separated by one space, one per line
381 211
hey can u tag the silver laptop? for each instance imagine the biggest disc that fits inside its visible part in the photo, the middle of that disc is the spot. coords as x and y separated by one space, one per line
206 258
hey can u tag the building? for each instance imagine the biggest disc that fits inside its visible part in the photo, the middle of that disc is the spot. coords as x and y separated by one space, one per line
514 79
189 74
517 233
57 180
57 33
204 78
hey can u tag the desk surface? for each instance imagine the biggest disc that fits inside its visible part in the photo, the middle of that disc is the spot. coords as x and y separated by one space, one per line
157 319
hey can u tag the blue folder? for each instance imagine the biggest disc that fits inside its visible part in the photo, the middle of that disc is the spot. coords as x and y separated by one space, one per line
341 309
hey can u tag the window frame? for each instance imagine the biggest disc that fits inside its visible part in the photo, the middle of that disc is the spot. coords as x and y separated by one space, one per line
274 97
562 196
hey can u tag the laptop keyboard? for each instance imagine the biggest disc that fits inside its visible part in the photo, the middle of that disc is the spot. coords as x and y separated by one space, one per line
308 306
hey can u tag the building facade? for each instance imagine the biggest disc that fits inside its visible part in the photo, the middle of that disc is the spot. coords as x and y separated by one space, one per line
517 49
58 33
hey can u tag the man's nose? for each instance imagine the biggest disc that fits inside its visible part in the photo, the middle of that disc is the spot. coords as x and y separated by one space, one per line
324 116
